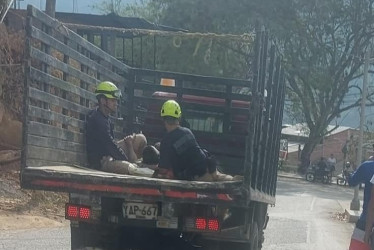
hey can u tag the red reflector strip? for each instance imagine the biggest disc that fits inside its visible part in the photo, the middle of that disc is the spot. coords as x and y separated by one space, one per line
213 224
77 212
200 223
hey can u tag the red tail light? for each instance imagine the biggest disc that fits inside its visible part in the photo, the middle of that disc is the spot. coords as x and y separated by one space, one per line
72 211
200 223
77 212
213 224
84 213
207 224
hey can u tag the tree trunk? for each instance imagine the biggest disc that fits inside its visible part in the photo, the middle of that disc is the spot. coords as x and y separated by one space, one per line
50 7
307 151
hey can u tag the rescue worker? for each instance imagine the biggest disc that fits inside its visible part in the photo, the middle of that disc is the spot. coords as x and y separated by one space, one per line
181 157
362 174
103 152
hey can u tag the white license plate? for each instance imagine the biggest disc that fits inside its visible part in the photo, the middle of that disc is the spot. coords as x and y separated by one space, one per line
145 211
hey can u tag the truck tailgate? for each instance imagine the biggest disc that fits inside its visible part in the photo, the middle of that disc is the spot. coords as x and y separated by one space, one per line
77 179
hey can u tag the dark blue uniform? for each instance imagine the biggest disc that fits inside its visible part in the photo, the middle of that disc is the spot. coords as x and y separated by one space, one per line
180 152
100 139
363 174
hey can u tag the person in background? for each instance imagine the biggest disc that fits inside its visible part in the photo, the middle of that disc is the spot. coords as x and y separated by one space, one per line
103 152
331 160
363 174
181 157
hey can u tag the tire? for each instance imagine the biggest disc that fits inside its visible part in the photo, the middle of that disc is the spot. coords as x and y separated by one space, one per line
341 182
254 243
255 238
326 179
309 177
91 236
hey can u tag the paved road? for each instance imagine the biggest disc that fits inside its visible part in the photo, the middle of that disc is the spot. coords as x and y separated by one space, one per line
305 217
37 239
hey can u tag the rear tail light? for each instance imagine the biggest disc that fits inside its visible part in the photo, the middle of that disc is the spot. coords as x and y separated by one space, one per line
200 223
203 224
213 225
77 212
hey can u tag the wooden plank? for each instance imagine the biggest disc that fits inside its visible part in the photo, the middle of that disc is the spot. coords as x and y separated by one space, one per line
55 155
59 27
74 54
55 143
40 129
40 76
50 115
58 101
40 163
66 68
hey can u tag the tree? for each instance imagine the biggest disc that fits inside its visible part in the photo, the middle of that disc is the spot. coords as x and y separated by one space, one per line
323 43
324 48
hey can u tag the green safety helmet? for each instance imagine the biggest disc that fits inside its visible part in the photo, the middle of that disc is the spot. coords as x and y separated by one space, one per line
108 89
171 108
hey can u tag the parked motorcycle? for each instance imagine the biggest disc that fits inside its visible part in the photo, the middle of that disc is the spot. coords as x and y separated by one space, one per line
320 171
342 179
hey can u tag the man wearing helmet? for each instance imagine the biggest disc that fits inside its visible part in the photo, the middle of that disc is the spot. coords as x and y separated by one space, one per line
103 152
181 157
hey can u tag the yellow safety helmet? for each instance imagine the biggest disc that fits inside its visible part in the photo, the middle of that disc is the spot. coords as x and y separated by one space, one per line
171 108
108 89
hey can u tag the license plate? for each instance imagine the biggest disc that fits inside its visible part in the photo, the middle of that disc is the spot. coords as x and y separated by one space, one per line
144 211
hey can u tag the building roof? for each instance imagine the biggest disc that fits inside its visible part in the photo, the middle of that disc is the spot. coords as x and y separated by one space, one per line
302 130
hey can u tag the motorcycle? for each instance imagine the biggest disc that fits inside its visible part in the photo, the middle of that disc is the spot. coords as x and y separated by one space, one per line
342 179
317 173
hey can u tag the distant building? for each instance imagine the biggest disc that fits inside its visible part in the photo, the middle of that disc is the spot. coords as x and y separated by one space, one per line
332 143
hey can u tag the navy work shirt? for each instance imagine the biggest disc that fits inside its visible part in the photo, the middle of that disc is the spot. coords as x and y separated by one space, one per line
180 152
100 139
363 174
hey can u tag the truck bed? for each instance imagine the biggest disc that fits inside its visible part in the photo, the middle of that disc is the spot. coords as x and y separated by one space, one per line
62 69
76 179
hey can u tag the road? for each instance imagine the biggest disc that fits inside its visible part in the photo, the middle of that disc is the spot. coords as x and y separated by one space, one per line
303 218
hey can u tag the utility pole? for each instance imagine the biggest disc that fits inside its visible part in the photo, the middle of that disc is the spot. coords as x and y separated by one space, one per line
50 7
355 203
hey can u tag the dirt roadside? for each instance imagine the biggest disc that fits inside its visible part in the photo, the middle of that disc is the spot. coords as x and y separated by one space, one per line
25 209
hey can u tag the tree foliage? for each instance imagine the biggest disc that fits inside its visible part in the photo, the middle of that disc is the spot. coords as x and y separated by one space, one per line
323 43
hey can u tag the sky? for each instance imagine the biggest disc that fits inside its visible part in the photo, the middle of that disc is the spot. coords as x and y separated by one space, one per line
78 6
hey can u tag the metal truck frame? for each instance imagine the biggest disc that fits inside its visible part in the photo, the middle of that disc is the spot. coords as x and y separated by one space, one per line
62 70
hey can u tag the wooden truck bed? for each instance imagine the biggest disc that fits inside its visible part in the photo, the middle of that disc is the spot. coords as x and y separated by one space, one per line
62 70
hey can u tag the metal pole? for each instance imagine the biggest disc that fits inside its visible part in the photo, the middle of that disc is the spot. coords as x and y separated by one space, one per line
355 203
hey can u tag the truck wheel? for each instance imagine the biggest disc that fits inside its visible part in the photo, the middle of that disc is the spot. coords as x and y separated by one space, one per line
90 236
254 239
252 245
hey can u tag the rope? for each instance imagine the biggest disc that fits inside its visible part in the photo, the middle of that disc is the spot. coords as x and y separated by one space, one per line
245 38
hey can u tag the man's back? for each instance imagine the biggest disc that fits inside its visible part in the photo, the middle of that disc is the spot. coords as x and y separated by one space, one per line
180 151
